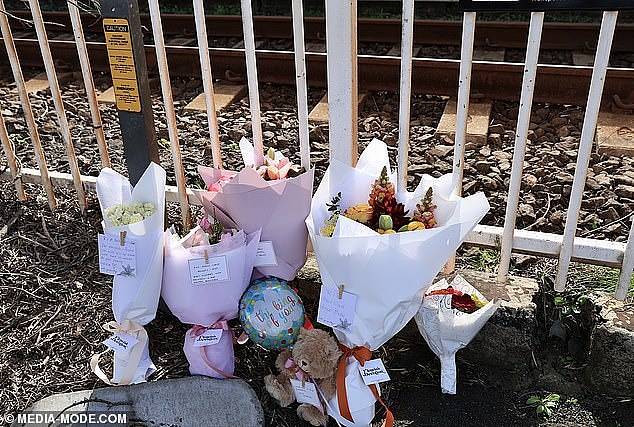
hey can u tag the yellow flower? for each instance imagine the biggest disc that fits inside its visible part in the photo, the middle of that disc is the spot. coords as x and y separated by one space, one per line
359 213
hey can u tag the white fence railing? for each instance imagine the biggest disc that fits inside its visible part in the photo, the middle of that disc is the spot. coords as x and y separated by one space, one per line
341 41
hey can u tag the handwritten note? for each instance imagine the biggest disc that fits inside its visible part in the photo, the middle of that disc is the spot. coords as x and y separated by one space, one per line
373 372
121 343
115 259
334 312
205 273
265 254
209 337
306 393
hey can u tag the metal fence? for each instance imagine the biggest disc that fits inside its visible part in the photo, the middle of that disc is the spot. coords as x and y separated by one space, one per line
342 98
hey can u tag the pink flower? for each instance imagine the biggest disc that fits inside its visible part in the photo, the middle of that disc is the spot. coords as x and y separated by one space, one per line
274 168
204 223
217 186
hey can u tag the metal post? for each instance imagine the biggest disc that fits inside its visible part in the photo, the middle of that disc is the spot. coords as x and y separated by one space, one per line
126 52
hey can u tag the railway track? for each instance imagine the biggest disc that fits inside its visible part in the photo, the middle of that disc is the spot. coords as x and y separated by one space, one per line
499 80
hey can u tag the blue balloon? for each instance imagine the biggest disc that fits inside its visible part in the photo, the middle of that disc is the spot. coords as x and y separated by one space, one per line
271 313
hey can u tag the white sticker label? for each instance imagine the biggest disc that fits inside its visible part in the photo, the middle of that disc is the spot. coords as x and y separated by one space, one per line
115 259
209 337
307 393
334 312
121 343
373 372
265 255
204 273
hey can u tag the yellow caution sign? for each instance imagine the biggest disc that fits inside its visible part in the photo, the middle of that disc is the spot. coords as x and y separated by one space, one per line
126 89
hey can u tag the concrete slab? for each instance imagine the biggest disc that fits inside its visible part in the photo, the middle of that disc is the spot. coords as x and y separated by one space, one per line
192 401
477 124
40 82
506 341
615 134
610 367
107 96
582 58
489 54
224 95
319 114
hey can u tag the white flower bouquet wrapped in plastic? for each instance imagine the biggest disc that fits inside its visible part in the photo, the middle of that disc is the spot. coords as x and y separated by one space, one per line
133 216
387 264
449 318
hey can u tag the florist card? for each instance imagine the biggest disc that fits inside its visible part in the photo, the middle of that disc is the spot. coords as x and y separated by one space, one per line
334 311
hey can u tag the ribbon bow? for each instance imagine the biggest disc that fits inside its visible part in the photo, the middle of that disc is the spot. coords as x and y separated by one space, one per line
125 327
197 330
299 372
362 354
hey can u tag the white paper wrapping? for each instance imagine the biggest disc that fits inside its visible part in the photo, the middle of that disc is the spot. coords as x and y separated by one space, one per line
135 298
144 369
360 398
388 273
447 330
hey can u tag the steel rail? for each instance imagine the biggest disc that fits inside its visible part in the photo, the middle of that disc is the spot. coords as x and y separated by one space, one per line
556 35
497 80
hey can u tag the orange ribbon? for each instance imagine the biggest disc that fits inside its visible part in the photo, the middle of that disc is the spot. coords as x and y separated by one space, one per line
362 354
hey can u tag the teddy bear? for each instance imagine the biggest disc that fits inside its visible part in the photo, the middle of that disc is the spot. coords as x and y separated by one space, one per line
314 356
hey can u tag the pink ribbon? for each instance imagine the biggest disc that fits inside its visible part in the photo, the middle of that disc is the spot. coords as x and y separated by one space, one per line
198 330
299 372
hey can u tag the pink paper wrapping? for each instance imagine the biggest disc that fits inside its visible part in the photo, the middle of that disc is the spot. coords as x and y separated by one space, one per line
212 360
208 303
278 207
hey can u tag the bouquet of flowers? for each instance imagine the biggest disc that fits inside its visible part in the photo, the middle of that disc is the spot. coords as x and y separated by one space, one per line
448 319
133 217
205 274
274 197
369 245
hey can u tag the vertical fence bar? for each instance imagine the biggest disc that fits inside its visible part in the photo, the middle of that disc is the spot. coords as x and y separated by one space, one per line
627 268
26 106
170 113
601 59
521 135
208 85
89 84
462 111
58 102
10 155
407 42
464 89
300 79
252 79
343 95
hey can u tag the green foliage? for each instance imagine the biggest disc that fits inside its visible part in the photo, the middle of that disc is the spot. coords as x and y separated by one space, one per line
479 259
234 147
544 405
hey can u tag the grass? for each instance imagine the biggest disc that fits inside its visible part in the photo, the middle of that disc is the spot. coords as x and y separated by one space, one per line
486 260
597 278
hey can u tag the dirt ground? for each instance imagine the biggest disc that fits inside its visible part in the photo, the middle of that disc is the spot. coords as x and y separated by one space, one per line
53 302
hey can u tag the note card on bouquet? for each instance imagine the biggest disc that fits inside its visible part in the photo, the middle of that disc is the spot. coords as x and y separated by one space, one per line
206 271
306 392
336 312
121 343
209 337
265 255
373 372
114 258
